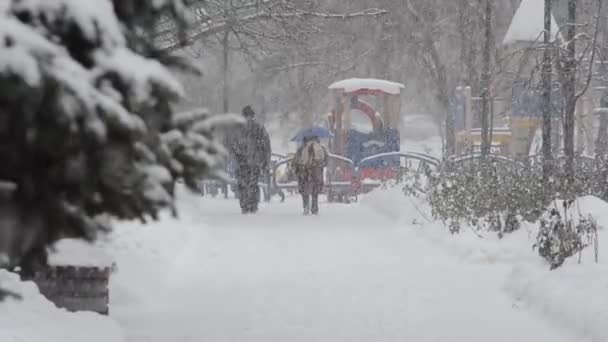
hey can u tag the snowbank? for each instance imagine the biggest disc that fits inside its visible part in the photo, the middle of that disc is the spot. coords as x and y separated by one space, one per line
469 246
595 207
572 296
144 254
35 319
390 201
74 252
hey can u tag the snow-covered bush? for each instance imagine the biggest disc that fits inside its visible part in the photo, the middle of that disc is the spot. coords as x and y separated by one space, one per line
414 183
86 125
498 194
493 195
562 235
586 180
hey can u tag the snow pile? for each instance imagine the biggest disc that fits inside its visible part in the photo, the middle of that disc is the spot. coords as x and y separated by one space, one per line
572 296
35 319
144 253
391 202
590 205
76 252
469 246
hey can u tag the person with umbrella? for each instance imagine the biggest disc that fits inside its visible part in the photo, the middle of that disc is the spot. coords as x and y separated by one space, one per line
309 162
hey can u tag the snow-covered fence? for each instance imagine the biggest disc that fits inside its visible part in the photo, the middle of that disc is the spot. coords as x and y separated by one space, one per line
75 288
343 177
421 158
476 157
288 182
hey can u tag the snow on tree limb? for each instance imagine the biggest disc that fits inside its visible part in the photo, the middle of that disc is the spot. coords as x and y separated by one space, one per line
94 19
144 76
209 28
86 121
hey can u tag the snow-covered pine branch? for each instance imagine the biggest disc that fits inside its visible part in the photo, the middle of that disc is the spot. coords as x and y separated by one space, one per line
85 121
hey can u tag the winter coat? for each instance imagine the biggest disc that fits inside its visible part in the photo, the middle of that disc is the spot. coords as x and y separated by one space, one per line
250 145
309 162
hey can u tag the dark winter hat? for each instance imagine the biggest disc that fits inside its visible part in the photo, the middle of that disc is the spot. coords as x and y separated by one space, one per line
248 112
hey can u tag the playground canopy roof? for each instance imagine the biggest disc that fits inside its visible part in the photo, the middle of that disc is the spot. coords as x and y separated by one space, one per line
370 84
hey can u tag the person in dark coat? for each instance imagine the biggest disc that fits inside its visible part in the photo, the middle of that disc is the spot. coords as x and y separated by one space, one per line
309 162
251 150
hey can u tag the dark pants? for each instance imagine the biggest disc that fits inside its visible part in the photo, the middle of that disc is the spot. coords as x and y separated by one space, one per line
314 206
248 190
310 184
268 187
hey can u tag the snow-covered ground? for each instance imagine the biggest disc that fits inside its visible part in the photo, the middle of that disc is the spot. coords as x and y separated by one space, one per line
371 271
376 270
571 297
35 319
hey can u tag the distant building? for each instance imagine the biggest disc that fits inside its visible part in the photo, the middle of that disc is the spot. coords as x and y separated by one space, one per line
517 86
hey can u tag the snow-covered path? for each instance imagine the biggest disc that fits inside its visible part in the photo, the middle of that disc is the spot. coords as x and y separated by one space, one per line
350 274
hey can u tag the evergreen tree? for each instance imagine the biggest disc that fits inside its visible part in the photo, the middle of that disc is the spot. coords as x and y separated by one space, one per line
86 125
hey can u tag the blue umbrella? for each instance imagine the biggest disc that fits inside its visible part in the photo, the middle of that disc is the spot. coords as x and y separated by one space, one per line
319 132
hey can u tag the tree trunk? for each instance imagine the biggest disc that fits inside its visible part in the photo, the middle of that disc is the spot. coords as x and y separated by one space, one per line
601 145
600 149
450 134
546 78
226 66
485 104
442 95
569 92
463 22
438 71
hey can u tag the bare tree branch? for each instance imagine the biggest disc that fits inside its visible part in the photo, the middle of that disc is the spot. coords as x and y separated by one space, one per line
593 52
206 29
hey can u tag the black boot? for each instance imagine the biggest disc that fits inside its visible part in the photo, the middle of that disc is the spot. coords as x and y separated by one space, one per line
306 204
315 204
